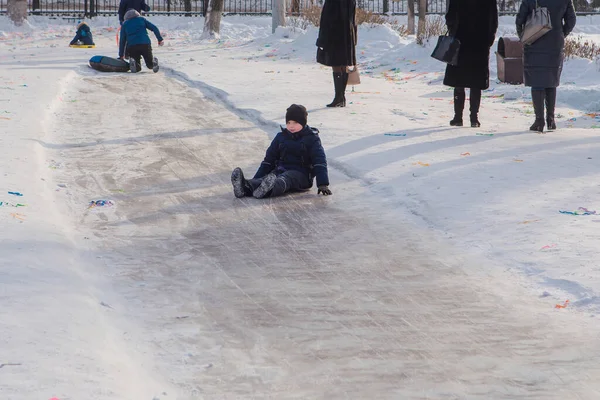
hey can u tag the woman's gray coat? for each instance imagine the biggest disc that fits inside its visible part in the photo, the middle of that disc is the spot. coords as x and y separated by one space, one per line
543 59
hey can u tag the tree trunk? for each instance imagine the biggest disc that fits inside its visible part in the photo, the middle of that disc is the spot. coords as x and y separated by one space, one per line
581 5
35 7
278 14
17 11
212 23
295 7
422 20
411 17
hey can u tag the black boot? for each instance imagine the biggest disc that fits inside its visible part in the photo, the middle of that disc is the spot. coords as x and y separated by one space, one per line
550 103
339 85
264 190
475 102
538 107
459 106
343 86
241 187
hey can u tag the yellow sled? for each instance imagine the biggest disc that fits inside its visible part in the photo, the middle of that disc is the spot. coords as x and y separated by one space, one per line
82 46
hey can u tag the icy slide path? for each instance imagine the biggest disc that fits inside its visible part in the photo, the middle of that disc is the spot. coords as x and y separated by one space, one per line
301 297
180 291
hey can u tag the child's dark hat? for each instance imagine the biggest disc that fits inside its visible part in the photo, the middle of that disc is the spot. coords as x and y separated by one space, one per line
297 113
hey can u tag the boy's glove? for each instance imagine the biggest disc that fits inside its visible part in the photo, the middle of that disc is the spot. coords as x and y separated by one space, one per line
161 42
324 189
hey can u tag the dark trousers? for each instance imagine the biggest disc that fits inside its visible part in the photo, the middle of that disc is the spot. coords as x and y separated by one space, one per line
287 181
141 50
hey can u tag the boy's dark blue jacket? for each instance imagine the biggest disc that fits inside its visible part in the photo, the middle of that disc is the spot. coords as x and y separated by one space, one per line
83 34
301 151
137 5
134 32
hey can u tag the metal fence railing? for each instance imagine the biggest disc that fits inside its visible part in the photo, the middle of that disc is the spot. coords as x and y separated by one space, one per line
81 8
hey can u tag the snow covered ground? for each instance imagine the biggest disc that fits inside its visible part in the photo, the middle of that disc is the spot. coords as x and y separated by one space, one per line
432 273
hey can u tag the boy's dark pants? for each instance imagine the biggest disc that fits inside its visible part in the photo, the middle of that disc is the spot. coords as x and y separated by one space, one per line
287 181
141 50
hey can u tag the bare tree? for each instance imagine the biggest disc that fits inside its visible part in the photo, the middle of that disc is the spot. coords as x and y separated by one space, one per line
278 14
295 7
581 5
212 22
422 18
411 17
17 11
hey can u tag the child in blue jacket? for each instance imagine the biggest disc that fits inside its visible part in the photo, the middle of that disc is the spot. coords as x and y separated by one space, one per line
83 35
294 158
135 37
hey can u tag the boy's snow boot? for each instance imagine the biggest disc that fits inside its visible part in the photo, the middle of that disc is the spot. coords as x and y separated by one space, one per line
241 187
155 65
550 104
459 105
266 186
338 84
538 107
474 103
132 65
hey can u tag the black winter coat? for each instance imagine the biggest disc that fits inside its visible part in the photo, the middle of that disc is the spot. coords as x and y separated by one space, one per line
137 5
337 34
474 23
301 151
543 59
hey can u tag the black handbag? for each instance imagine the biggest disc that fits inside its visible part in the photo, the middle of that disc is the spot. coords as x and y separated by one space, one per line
447 49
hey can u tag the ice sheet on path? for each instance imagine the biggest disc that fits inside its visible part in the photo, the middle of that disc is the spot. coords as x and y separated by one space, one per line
299 297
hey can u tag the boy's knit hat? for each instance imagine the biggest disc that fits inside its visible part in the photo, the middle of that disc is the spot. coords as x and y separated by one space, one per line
297 113
131 14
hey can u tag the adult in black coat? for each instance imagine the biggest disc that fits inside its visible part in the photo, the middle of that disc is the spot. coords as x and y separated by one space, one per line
337 43
137 5
543 59
474 23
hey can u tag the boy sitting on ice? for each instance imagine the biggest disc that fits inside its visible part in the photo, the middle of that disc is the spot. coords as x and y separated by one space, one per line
134 35
293 159
83 35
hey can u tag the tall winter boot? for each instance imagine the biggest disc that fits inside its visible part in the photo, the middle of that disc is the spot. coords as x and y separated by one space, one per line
338 84
538 107
459 106
550 103
475 102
